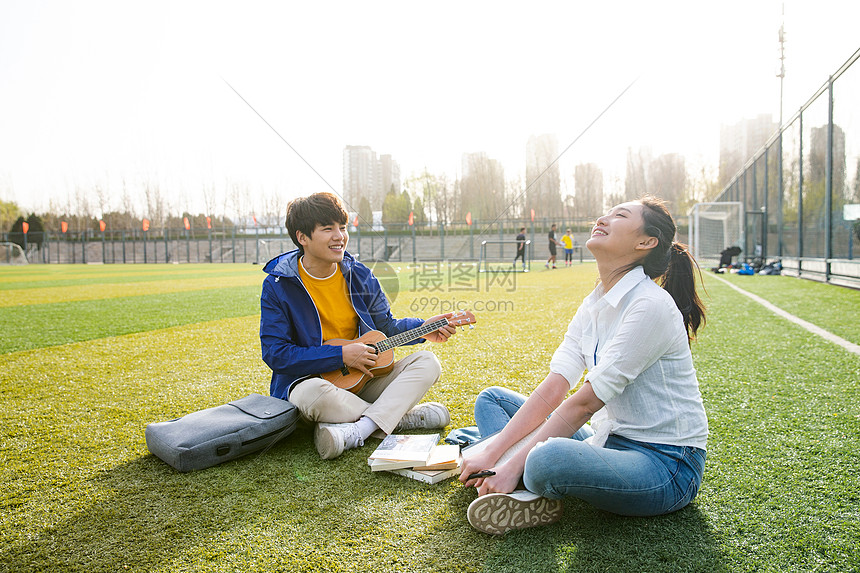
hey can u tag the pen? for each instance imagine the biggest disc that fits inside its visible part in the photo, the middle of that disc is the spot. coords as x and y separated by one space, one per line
481 474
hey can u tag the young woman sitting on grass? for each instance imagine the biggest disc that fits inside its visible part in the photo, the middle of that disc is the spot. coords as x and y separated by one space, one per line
644 452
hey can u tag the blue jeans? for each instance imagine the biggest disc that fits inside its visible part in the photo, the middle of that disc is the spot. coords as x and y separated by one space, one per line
625 476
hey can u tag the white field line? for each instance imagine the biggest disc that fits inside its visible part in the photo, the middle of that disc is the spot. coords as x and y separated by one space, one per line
849 346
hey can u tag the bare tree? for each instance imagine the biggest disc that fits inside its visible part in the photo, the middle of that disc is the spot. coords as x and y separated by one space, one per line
516 197
128 204
615 194
481 188
210 198
434 192
274 209
424 186
225 199
443 198
667 178
705 186
234 201
102 199
636 180
83 208
156 209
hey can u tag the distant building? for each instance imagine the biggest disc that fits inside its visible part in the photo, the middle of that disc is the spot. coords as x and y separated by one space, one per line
389 174
472 162
738 143
366 175
542 176
588 191
481 186
817 159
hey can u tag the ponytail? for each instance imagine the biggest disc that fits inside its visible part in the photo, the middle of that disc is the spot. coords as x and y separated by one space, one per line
679 281
672 264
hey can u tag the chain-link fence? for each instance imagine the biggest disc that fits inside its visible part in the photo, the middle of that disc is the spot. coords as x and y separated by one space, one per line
797 191
391 242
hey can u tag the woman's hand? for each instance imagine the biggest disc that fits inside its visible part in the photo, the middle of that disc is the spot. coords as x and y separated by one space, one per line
474 464
506 480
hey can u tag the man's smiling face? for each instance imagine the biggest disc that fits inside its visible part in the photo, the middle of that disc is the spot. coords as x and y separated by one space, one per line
325 246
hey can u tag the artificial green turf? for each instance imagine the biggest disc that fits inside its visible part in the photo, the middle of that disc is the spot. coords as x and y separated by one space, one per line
836 310
41 276
781 484
82 493
51 324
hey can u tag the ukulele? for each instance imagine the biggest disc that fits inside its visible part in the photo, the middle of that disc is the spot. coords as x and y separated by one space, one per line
354 380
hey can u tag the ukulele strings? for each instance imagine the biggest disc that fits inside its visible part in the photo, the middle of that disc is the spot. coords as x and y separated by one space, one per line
404 337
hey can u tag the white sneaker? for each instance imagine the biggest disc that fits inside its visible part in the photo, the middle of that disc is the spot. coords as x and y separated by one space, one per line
332 439
498 513
424 417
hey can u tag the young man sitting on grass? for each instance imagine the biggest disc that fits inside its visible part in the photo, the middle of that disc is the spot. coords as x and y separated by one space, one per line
317 293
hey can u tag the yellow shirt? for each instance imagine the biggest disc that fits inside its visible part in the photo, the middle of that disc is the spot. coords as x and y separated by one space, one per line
568 241
331 298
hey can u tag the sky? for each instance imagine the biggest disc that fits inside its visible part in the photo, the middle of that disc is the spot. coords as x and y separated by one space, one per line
119 95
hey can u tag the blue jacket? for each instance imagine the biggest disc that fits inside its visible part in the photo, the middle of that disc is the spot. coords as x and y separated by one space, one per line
290 329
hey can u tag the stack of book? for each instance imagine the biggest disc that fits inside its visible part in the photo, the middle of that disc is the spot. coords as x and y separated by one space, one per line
417 457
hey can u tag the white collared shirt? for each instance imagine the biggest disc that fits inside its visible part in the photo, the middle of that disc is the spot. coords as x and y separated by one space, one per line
634 347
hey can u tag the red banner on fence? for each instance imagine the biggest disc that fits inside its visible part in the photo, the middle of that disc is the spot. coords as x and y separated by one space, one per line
355 222
208 223
102 226
469 218
64 226
411 217
146 224
186 223
533 214
25 226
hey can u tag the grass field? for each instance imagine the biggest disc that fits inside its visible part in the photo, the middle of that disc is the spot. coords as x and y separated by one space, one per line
90 354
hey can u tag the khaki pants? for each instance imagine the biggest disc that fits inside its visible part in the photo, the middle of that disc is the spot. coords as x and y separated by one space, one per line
384 399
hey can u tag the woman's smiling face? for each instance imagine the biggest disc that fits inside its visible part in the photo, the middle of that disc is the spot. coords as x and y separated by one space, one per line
619 232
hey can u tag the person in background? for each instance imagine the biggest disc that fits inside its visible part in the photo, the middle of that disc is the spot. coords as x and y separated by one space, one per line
521 248
552 244
567 241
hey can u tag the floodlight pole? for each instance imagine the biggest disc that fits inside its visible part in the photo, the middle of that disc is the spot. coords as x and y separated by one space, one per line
781 76
828 185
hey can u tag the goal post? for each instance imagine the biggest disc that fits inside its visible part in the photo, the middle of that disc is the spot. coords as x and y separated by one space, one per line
713 228
266 249
12 254
500 256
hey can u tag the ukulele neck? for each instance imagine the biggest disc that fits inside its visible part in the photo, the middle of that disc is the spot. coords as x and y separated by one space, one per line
410 335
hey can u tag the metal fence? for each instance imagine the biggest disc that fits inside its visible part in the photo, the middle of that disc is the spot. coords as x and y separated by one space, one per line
795 189
393 242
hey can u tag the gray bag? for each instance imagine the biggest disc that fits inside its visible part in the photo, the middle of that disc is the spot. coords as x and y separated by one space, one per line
215 435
